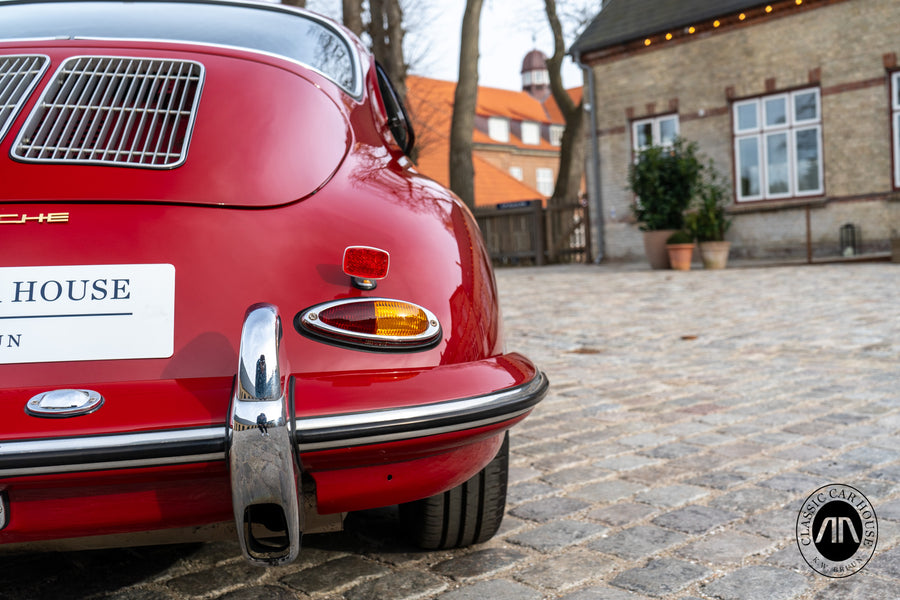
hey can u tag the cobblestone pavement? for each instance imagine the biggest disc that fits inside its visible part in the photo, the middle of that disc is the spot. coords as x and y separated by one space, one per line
690 415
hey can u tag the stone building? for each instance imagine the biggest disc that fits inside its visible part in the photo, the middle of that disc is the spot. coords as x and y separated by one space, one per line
796 101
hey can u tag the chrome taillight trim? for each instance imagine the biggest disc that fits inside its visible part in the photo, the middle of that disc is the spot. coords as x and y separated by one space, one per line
19 75
108 110
308 322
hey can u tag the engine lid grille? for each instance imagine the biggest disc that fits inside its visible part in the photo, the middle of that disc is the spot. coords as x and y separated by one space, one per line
114 111
18 77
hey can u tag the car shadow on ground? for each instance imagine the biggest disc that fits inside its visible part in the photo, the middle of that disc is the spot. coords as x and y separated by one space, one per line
96 573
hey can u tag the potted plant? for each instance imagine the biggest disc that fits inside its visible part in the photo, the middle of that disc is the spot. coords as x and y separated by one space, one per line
680 248
663 179
707 220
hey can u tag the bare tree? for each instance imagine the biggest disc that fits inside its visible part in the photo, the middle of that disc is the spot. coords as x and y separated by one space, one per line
462 171
571 152
386 31
352 12
300 3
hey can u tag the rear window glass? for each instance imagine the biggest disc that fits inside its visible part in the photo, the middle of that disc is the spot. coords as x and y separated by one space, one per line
305 40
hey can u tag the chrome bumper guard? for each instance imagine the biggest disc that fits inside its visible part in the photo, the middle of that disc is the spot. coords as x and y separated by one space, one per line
262 460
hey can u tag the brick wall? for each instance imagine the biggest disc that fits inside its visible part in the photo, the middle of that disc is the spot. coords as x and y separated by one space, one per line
842 47
504 157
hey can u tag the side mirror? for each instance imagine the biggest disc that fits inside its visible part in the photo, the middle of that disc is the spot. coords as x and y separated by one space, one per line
398 119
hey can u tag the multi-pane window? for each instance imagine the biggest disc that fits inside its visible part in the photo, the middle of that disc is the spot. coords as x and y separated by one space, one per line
531 133
895 122
545 181
516 172
656 131
556 134
498 129
778 146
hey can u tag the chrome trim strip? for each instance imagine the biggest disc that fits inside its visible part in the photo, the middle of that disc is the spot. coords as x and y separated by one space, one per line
151 448
357 429
112 465
310 434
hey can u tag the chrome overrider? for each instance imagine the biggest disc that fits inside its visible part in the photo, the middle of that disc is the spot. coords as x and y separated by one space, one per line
262 459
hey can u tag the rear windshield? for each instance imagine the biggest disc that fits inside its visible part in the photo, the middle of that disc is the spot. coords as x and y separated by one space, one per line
310 42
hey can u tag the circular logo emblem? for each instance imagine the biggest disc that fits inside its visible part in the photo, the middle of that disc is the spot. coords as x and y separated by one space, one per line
837 530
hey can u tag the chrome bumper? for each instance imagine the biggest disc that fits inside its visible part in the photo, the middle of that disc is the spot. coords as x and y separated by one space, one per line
262 440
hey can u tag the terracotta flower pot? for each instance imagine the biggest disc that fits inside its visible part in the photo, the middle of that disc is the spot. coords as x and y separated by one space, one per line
655 248
714 254
680 256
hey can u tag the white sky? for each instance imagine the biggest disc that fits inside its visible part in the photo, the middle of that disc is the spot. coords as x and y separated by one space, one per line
509 29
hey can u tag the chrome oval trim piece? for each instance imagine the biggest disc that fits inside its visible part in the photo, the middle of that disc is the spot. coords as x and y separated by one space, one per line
309 321
64 403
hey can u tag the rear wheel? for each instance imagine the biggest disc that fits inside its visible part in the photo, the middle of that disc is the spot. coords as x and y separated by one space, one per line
468 514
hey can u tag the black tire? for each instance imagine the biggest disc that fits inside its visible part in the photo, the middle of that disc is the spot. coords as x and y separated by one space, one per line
468 514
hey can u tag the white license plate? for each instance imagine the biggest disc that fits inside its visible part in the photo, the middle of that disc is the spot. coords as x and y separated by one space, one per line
88 312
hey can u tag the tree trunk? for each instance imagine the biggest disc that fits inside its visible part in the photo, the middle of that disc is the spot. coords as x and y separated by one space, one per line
571 151
462 172
386 31
352 10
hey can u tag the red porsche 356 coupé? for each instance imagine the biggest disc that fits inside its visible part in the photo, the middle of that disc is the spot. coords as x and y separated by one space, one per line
226 295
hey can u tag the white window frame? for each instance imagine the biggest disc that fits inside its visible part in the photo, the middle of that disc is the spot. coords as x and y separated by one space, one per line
498 129
545 181
533 136
537 77
895 124
763 131
516 173
655 130
556 134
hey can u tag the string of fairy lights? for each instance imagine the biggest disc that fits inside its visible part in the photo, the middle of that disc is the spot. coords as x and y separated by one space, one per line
736 19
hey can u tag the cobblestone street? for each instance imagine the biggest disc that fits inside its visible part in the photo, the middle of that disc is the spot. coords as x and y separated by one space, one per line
690 414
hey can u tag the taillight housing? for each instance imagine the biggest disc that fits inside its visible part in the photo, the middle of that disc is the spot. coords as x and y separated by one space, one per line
375 323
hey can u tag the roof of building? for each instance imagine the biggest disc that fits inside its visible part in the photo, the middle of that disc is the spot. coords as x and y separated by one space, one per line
534 61
623 21
431 108
552 108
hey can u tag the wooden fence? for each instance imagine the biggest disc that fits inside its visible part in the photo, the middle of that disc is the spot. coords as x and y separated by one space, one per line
525 233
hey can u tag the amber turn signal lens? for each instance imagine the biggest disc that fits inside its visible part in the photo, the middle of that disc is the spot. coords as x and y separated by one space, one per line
372 322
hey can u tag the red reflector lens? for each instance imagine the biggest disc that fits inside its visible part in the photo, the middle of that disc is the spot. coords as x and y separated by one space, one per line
366 263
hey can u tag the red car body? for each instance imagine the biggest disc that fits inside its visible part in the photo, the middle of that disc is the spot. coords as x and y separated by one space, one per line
141 277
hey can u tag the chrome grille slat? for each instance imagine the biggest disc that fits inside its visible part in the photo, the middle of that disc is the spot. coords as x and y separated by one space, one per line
18 77
116 111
